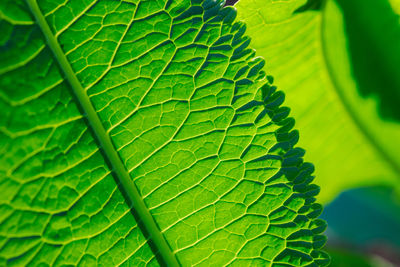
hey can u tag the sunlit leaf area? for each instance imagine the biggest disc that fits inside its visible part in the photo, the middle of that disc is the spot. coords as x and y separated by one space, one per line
200 133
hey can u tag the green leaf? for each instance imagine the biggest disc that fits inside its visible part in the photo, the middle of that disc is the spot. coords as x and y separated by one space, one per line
343 257
146 133
338 67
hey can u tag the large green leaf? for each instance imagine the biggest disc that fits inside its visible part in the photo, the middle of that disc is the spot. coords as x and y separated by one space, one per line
145 132
339 69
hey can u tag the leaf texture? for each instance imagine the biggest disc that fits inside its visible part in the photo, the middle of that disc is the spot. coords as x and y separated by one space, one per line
308 53
102 100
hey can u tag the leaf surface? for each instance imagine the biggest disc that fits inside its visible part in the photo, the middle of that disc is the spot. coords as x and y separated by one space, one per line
139 133
338 68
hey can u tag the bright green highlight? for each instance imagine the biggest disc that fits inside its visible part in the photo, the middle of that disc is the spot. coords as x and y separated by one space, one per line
156 109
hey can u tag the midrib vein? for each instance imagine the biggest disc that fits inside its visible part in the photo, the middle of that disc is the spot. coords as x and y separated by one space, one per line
105 141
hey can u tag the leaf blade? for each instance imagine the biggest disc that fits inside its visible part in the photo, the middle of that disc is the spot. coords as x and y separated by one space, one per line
104 140
208 145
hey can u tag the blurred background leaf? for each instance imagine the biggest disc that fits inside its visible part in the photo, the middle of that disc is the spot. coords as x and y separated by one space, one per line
372 36
338 62
346 110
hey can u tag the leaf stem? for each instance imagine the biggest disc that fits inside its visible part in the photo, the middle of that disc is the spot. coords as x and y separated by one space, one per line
105 141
